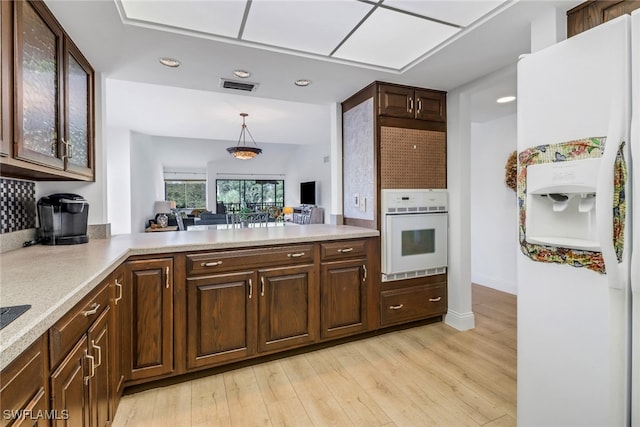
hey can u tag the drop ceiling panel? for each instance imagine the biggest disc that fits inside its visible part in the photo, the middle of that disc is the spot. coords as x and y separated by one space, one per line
222 17
461 12
392 39
315 26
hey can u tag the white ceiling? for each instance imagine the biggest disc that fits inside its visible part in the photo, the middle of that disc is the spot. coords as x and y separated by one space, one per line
362 33
188 102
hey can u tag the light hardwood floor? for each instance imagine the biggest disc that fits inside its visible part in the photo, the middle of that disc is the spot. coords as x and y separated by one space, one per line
430 375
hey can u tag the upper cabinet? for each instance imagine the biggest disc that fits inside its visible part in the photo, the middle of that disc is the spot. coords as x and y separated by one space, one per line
411 103
6 82
593 13
53 99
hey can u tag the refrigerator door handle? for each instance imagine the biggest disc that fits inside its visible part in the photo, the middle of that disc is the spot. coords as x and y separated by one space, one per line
616 135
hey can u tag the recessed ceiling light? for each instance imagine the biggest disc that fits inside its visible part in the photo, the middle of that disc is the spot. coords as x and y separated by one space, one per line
170 62
506 99
302 82
243 74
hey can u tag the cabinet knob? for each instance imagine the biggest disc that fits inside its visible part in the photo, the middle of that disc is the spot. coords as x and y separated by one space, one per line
262 286
92 360
396 307
345 250
296 255
364 273
166 277
250 288
435 299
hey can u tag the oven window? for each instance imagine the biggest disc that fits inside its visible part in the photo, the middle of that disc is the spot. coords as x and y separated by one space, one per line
416 242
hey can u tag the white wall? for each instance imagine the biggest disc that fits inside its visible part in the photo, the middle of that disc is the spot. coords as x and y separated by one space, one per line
119 177
310 163
494 237
147 181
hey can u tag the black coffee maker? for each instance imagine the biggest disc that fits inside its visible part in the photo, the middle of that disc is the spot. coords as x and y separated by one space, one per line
63 219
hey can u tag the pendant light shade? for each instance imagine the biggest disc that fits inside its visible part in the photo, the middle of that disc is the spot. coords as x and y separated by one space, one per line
241 150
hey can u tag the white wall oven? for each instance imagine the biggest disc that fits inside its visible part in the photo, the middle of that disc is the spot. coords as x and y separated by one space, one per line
414 233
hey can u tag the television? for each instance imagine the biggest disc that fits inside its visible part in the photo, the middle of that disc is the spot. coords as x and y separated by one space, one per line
308 193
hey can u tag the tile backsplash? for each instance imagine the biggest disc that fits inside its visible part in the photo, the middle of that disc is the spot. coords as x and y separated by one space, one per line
18 205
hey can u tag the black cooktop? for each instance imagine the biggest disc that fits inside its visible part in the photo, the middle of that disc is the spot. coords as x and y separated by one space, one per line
9 314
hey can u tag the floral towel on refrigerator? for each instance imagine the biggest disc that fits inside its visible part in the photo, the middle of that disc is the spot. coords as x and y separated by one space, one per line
588 148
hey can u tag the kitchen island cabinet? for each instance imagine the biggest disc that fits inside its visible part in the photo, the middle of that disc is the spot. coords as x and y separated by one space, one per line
82 357
24 387
148 320
343 288
107 298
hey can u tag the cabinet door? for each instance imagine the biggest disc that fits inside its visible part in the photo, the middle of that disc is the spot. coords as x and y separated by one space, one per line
69 387
343 298
288 304
38 55
37 406
6 82
149 336
24 386
431 105
396 101
117 343
99 342
78 137
221 316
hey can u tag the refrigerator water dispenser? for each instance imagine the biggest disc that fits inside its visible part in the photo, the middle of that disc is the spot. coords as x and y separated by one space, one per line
560 204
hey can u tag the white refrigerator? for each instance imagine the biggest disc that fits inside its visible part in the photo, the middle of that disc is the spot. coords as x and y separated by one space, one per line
579 227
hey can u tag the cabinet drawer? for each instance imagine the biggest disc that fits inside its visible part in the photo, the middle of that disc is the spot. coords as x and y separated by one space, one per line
342 250
213 262
412 303
23 381
76 322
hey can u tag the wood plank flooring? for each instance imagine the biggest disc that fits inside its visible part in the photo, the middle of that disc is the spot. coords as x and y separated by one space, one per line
430 375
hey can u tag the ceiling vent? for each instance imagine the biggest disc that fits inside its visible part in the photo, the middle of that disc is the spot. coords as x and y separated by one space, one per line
236 85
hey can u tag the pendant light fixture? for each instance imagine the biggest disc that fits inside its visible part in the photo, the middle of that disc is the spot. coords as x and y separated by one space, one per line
244 152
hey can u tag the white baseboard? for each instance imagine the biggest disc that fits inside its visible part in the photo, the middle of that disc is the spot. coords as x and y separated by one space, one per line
460 321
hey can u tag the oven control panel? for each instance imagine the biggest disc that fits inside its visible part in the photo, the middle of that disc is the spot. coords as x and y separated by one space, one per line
408 201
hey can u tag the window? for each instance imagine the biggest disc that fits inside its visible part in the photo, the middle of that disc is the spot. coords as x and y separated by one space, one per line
186 194
257 194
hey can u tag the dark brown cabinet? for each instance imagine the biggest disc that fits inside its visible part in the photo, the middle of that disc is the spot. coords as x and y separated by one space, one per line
82 356
242 303
401 304
343 288
118 370
393 137
24 389
6 78
49 132
221 318
411 103
593 13
288 307
148 335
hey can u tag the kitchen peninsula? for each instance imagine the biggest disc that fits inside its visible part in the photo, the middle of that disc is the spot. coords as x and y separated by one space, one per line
142 307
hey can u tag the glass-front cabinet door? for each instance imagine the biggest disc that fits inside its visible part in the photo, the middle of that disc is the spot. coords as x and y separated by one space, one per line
38 123
6 95
78 138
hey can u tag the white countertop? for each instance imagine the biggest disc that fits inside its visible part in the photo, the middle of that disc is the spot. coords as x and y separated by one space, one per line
52 279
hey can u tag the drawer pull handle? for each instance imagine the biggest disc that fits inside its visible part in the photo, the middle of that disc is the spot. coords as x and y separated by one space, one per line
435 299
364 270
166 284
250 288
261 286
345 250
296 255
99 350
396 307
93 367
93 310
119 287
210 264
